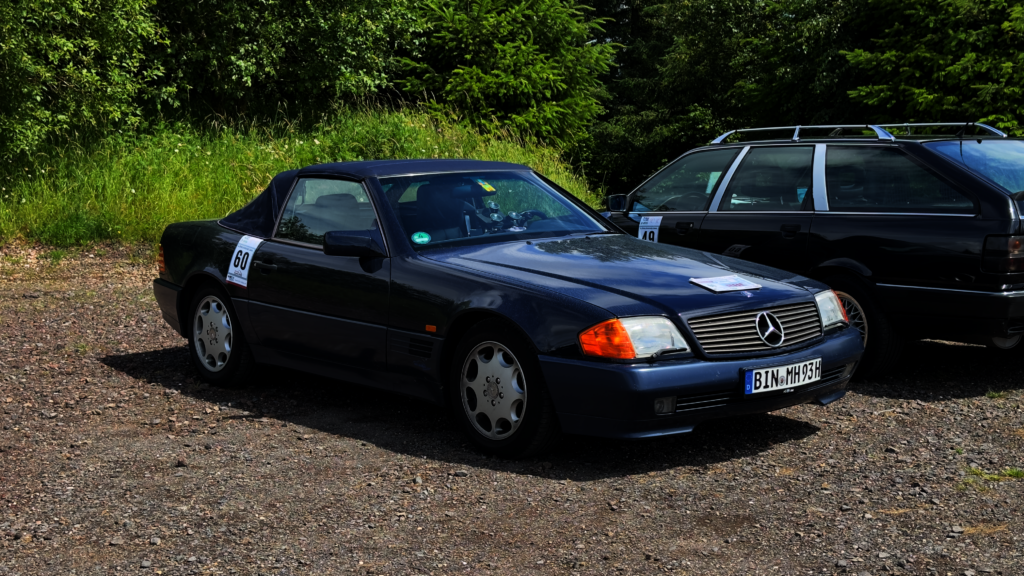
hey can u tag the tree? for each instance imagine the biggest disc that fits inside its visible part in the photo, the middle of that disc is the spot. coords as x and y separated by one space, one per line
72 65
954 60
695 68
232 56
527 65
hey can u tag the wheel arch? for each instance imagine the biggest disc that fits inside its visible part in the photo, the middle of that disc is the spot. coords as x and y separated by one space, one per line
837 266
461 325
188 290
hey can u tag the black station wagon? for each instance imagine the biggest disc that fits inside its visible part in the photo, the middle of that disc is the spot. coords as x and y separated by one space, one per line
917 227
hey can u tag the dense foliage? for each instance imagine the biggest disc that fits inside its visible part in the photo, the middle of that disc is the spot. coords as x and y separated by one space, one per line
72 65
524 64
692 69
235 56
945 61
620 86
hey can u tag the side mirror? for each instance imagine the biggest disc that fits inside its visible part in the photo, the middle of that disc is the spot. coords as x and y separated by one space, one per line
351 243
617 203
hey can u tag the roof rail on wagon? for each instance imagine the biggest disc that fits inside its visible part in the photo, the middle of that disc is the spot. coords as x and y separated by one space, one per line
837 129
909 127
882 131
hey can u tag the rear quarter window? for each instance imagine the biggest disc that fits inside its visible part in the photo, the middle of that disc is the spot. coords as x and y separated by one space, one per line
876 179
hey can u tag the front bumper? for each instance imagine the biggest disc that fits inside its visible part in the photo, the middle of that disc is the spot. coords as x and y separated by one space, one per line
617 400
166 295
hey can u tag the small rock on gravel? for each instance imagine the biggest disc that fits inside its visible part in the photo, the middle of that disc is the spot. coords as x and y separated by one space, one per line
116 541
145 564
462 473
154 541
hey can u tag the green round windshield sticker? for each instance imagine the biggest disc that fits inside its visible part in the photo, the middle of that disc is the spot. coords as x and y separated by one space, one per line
421 237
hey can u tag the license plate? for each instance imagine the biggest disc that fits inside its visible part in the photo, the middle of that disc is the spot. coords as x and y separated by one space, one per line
782 377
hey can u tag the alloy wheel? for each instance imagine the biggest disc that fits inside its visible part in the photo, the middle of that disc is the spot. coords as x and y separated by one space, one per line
212 333
856 315
493 390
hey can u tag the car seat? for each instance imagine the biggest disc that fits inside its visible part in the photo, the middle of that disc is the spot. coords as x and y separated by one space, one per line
440 213
333 212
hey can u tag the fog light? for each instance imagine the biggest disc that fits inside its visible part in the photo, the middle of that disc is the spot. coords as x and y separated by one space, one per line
849 369
665 405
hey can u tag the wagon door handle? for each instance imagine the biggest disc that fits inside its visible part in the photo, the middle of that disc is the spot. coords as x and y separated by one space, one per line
265 267
789 231
682 228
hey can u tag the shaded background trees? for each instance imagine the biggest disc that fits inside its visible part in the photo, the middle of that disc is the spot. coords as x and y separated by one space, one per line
622 86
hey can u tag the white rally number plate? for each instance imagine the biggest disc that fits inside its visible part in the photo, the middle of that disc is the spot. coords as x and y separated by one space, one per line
782 377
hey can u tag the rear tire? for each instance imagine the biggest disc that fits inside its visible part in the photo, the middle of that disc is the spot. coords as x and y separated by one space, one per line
216 343
498 395
882 343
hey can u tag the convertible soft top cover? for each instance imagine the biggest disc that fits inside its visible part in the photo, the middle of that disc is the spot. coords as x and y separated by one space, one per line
258 217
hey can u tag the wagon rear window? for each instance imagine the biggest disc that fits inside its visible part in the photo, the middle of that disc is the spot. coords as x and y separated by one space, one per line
1001 161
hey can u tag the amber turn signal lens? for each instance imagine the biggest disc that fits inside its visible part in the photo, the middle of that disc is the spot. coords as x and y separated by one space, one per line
160 260
608 339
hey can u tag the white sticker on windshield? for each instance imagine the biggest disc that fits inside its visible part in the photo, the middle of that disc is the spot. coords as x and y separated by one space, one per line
649 228
725 284
241 261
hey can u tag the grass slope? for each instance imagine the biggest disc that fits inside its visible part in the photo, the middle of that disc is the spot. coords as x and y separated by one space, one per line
129 188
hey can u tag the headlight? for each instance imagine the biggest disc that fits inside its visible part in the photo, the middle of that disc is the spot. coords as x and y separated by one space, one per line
629 338
830 309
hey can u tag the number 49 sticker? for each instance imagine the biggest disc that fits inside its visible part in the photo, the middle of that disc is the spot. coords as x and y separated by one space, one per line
649 228
241 259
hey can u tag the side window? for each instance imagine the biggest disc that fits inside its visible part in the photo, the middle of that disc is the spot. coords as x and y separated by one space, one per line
772 180
686 185
875 179
319 205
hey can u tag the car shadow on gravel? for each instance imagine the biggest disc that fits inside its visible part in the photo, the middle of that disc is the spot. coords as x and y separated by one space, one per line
413 427
930 370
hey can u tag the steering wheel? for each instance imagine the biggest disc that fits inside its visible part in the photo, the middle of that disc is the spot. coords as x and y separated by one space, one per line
698 198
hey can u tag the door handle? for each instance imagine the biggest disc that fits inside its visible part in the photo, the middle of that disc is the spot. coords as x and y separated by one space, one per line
682 228
265 267
789 230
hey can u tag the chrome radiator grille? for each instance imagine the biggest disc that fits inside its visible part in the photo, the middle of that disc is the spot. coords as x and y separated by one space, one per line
737 332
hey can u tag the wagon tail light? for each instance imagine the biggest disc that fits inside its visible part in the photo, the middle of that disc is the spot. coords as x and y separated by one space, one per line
160 260
1003 254
629 338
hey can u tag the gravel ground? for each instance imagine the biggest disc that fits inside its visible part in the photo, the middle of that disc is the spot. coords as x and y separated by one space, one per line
114 458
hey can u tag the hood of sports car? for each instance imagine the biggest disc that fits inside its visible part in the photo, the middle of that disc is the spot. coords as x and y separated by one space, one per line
628 276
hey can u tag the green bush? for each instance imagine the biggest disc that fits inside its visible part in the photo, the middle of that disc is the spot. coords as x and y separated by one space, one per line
130 187
528 65
71 65
692 69
236 56
955 60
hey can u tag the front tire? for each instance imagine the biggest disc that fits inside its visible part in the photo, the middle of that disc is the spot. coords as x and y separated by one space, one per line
882 343
498 394
216 343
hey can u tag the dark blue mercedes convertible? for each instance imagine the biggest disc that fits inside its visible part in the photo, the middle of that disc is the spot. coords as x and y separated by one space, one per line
485 286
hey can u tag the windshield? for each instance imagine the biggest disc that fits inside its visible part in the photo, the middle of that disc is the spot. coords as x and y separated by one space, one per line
482 207
1001 161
